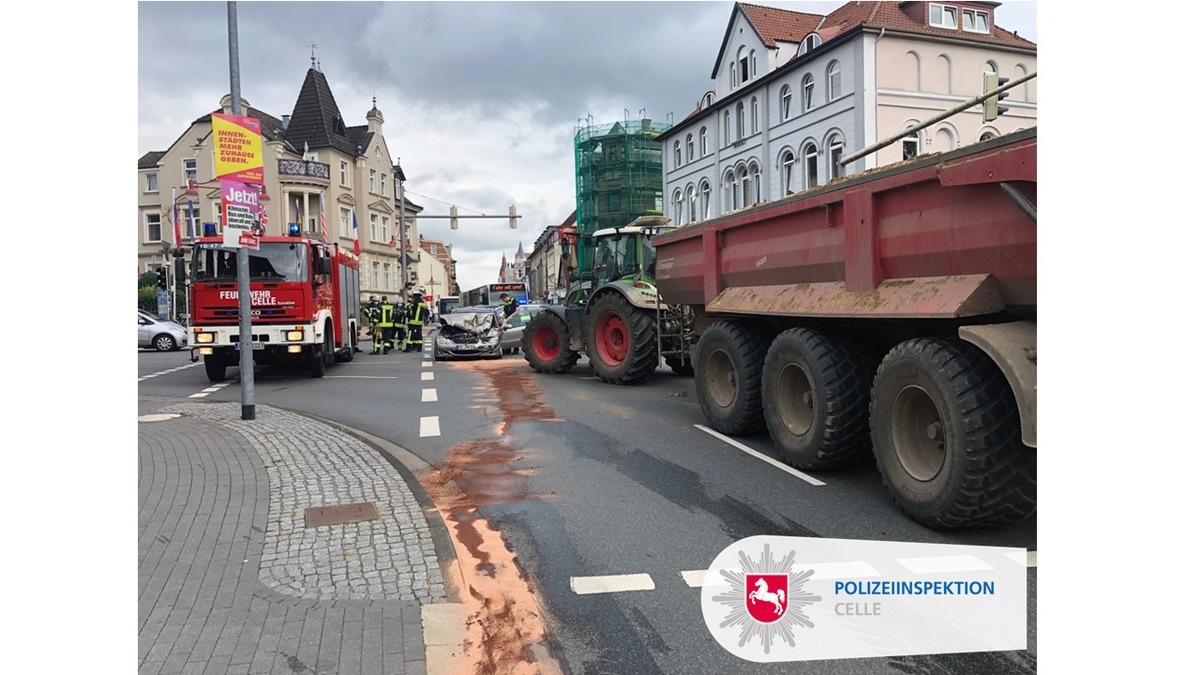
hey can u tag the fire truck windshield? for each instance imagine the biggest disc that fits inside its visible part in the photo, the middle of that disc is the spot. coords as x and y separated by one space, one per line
274 261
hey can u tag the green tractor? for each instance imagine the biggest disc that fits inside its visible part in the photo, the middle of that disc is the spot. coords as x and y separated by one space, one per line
613 313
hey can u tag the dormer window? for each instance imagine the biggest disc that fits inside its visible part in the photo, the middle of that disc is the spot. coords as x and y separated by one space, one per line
975 21
707 100
743 66
810 43
943 16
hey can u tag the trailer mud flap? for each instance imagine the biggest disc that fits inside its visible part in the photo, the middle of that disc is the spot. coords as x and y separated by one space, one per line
1013 348
921 298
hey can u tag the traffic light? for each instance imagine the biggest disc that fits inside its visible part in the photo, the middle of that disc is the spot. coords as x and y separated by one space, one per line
162 278
454 217
512 216
991 105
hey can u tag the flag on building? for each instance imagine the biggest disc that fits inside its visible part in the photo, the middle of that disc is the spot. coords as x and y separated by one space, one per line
298 221
175 217
191 223
324 227
355 219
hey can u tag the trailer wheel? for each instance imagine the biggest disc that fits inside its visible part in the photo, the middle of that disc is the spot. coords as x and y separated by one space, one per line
678 367
545 343
214 368
728 365
815 393
947 437
621 344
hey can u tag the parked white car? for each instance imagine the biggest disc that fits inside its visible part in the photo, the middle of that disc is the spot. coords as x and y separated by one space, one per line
163 336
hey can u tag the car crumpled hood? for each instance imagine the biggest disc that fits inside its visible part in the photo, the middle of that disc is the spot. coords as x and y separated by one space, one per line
467 324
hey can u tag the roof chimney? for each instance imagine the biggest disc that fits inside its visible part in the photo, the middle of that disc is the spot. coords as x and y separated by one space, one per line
286 119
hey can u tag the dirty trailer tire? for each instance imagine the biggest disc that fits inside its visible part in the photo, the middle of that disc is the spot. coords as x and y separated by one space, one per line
816 394
947 437
214 368
729 360
546 344
621 345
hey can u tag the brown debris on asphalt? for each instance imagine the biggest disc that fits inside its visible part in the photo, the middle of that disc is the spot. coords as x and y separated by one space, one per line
506 632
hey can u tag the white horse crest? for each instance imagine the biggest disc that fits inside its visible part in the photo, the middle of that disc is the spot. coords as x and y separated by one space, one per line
762 594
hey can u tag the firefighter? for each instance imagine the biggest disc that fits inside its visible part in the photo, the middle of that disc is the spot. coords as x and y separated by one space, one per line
371 310
417 314
387 327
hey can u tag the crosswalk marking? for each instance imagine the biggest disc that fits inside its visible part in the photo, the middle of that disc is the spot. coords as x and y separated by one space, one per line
430 427
612 583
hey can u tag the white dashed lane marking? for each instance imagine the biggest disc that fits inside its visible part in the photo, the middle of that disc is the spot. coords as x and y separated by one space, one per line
427 377
213 389
750 451
611 584
430 427
166 372
427 363
428 395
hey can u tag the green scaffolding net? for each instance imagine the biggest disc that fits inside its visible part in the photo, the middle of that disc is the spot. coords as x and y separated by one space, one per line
618 177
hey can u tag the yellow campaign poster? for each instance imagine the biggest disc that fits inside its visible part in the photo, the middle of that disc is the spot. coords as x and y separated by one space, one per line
237 150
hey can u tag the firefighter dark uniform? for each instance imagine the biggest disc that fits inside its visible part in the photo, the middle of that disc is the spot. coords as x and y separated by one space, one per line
371 311
418 314
387 325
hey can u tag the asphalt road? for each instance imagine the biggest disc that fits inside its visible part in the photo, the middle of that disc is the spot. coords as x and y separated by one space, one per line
585 479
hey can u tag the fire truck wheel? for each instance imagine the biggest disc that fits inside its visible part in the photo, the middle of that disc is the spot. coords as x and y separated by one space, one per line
214 367
320 356
729 360
947 437
816 390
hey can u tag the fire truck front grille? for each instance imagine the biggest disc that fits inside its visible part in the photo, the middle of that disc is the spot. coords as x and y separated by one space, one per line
253 338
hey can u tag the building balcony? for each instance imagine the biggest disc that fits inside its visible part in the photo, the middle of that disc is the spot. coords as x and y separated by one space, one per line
300 172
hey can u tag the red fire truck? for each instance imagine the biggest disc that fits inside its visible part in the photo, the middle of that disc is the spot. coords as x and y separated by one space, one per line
304 305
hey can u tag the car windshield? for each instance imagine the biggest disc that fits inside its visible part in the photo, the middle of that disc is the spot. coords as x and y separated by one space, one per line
279 261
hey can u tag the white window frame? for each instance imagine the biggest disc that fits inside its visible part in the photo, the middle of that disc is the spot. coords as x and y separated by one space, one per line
387 276
344 221
371 182
703 141
678 155
691 148
192 173
972 26
383 183
947 15
743 63
152 182
753 114
375 274
807 89
374 227
811 42
787 174
834 152
727 190
344 172
691 203
159 222
785 101
705 199
755 184
741 120
833 80
913 139
678 201
811 176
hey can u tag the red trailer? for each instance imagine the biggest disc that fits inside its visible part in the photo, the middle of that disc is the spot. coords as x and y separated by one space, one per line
892 312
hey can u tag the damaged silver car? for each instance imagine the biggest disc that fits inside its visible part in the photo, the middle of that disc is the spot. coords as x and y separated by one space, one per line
468 332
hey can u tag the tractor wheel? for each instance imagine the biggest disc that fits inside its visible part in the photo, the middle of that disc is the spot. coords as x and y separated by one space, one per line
545 342
214 367
678 367
947 437
816 393
621 344
729 360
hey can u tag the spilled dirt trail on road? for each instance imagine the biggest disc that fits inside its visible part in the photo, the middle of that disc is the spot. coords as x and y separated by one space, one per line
506 632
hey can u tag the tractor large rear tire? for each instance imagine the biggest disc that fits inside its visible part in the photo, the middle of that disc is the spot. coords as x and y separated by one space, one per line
545 343
947 437
816 393
729 361
621 344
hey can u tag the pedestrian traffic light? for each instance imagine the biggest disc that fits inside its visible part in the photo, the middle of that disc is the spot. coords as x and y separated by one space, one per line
991 105
162 278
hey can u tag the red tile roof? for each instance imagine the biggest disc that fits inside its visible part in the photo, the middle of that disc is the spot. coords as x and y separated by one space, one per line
778 24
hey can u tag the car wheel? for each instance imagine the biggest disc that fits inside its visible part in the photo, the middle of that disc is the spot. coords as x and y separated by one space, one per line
164 343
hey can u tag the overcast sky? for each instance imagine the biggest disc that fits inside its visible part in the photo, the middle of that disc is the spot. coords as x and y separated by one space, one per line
481 100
